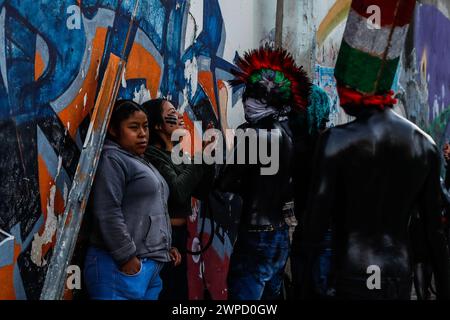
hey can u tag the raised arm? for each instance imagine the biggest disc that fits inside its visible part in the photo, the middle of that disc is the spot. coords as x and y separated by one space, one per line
181 185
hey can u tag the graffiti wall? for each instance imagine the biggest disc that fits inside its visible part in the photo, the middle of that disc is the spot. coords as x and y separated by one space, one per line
425 76
53 55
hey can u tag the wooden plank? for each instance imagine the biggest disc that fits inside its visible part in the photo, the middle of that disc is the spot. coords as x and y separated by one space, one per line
71 221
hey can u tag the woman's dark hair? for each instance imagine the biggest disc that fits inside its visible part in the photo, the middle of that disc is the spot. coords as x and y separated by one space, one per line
154 110
123 109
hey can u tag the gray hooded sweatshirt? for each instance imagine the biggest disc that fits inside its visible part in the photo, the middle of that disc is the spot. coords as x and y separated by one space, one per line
128 207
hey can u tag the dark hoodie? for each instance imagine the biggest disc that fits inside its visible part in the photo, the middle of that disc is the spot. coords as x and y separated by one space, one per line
128 207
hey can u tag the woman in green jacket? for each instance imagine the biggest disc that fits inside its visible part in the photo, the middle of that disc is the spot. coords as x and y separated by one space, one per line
184 180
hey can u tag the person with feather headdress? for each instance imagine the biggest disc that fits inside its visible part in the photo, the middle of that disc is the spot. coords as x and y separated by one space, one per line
274 88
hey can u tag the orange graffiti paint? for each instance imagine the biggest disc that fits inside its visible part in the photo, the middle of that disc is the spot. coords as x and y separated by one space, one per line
206 81
7 291
45 184
223 103
334 17
196 139
39 66
141 64
78 109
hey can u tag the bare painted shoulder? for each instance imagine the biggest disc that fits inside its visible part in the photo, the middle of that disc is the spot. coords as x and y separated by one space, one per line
416 128
333 139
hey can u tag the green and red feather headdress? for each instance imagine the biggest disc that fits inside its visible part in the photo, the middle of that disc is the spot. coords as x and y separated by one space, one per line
271 75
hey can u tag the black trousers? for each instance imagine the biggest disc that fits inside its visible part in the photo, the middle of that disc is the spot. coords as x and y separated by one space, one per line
175 280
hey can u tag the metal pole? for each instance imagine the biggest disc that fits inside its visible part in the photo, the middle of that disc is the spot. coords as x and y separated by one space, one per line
279 24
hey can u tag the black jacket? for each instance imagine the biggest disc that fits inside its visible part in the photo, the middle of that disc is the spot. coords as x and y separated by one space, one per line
263 196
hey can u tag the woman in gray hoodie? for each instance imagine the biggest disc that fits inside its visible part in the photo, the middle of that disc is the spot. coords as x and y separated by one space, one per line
131 234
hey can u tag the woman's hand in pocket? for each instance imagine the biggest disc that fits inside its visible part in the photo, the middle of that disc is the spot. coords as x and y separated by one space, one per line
131 267
175 256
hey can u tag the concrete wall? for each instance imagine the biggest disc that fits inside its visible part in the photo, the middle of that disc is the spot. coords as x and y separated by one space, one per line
314 36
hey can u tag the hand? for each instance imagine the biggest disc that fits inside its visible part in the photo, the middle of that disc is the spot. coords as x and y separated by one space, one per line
210 125
446 151
132 266
175 256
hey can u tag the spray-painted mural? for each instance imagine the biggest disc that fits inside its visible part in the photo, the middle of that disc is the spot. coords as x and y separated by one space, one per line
429 75
53 55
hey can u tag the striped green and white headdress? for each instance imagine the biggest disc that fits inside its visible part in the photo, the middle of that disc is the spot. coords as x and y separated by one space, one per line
373 41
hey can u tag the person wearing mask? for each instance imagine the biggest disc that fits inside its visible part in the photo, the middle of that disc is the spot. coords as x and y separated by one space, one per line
274 86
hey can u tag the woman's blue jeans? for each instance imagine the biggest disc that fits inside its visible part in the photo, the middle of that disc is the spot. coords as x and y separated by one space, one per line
104 280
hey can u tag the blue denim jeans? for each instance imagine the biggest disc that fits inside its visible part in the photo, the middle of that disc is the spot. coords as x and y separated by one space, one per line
104 280
257 265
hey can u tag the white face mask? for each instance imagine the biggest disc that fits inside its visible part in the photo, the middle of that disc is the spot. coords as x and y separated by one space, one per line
255 110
